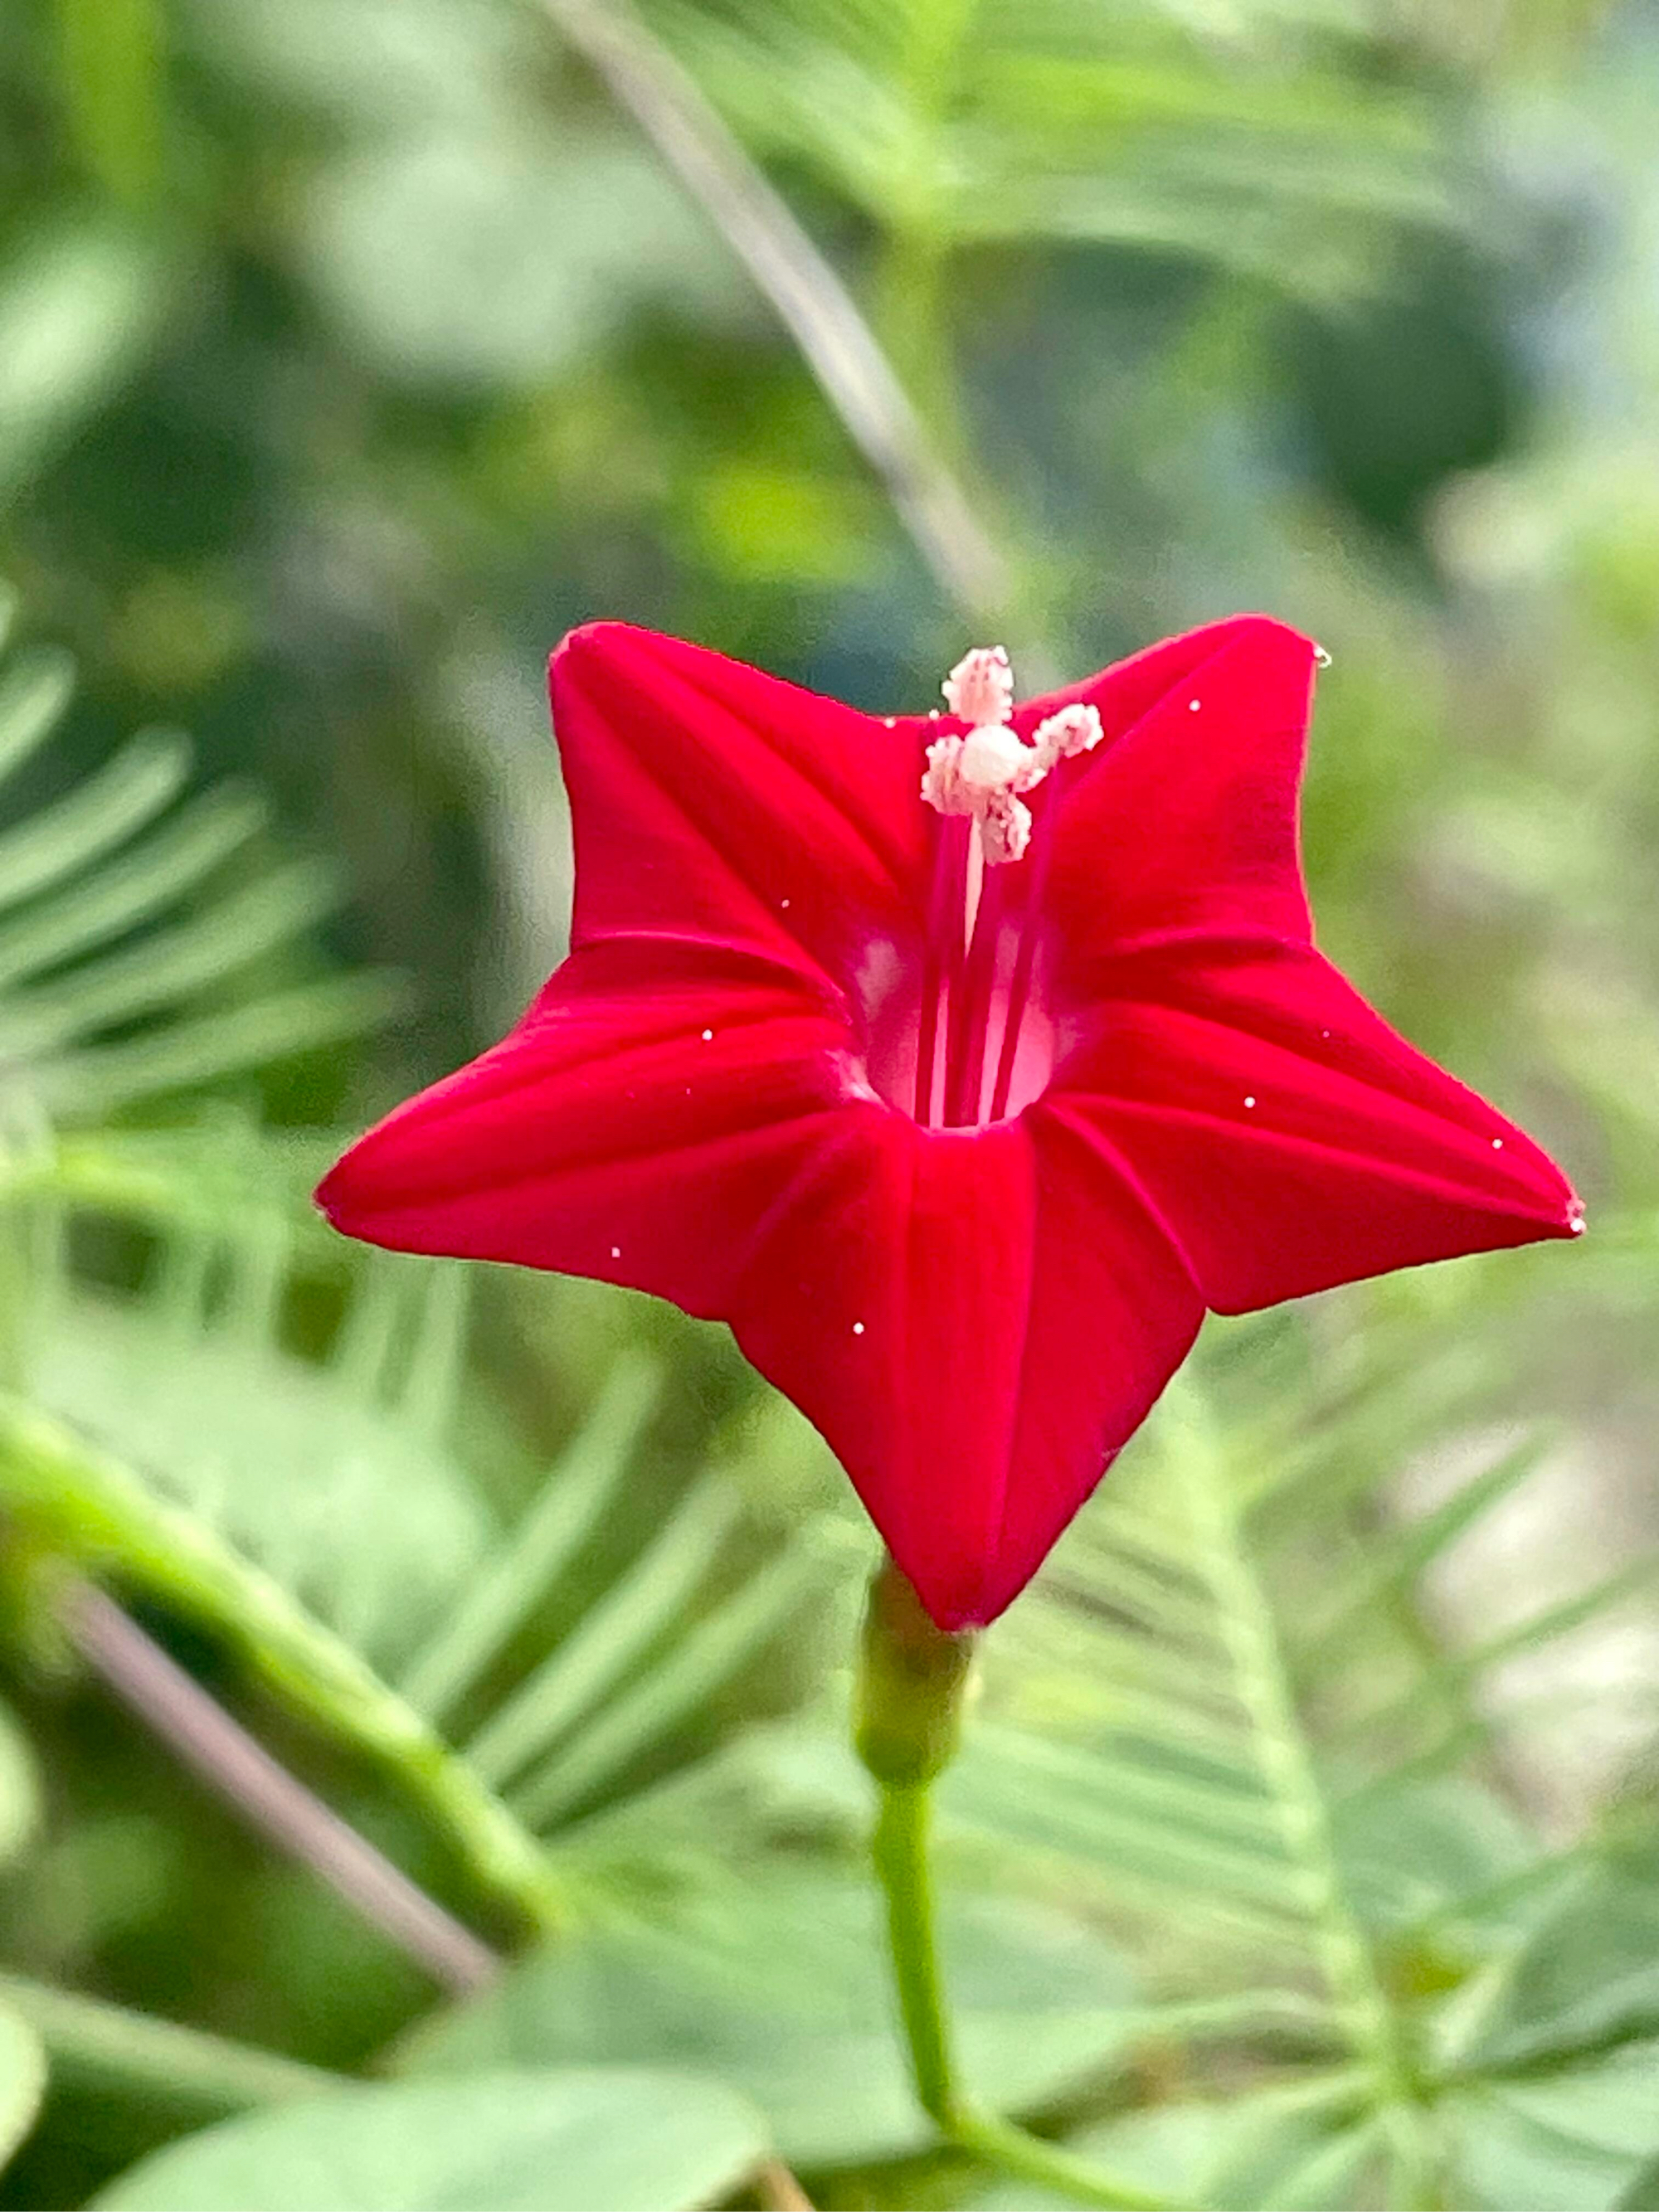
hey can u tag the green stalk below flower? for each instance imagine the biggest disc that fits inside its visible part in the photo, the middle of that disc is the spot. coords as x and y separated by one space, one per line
912 1679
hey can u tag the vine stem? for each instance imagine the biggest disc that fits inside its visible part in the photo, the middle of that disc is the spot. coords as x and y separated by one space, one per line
911 1682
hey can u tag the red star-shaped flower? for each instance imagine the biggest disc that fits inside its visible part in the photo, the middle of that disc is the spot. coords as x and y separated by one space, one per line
960 1105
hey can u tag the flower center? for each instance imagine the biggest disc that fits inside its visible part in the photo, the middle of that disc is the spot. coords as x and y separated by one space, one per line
984 1040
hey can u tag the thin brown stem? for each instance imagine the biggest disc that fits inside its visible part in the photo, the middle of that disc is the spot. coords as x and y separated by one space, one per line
270 1799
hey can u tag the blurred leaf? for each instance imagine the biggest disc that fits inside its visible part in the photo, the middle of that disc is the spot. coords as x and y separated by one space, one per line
23 2081
20 1787
1587 1974
465 260
779 1985
1128 127
318 1516
378 60
174 2074
120 935
1574 2139
79 308
589 2140
1291 2146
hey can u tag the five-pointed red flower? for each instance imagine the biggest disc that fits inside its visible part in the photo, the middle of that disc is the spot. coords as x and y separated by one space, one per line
962 1152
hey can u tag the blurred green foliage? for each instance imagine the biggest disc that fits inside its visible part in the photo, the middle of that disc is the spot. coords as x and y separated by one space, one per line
1303 1850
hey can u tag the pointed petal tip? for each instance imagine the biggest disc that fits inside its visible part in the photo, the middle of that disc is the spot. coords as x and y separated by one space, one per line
332 1196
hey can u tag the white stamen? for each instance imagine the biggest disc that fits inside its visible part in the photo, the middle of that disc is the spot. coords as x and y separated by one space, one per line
1063 735
941 782
984 773
1005 828
980 687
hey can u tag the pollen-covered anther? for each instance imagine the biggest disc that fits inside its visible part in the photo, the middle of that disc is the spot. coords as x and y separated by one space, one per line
1005 828
980 687
942 787
1063 735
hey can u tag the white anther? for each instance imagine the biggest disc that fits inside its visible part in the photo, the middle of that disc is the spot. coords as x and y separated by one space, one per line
1005 828
980 687
941 783
1063 735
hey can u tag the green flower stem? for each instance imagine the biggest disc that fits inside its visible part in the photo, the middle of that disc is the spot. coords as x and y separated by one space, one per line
911 1682
902 1868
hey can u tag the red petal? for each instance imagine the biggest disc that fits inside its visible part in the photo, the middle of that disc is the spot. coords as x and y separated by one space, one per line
976 1322
714 802
1357 1154
606 1137
1185 819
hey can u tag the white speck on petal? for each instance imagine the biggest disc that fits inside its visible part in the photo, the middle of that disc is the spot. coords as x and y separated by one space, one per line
1324 1033
858 1328
1250 1101
1192 706
1497 1144
783 905
1575 1223
708 1037
616 1251
890 721
1321 659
